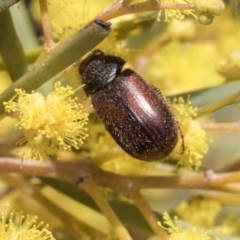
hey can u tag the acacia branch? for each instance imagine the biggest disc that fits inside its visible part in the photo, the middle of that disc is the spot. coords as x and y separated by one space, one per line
47 31
221 126
120 8
89 176
149 215
92 189
72 172
60 57
219 104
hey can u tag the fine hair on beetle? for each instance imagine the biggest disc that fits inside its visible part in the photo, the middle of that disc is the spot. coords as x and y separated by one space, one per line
134 113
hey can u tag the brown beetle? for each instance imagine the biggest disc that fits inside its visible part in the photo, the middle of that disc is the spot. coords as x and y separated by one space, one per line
134 112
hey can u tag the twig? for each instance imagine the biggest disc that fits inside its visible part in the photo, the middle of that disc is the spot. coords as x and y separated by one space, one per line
222 178
235 166
92 189
47 32
232 187
217 105
118 8
149 215
72 172
87 173
221 126
125 3
106 156
222 197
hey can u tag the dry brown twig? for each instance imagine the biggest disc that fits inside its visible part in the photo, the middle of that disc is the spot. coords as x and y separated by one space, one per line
73 172
89 176
47 31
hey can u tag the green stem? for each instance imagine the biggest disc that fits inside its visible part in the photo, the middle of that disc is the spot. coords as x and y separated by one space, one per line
64 54
10 47
217 105
30 55
4 4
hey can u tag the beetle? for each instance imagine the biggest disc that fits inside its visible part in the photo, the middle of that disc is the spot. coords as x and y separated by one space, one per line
134 112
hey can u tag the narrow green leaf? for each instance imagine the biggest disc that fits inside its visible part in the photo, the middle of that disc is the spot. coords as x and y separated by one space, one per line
63 55
211 99
210 95
11 49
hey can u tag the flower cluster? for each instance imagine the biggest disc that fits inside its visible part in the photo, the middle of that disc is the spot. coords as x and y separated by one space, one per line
51 124
208 9
177 233
195 139
16 226
230 66
200 211
178 14
207 212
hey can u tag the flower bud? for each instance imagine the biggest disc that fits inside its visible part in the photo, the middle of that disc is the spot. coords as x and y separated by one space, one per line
208 9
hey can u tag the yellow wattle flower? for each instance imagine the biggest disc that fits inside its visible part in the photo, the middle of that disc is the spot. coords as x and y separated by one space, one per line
195 137
201 211
48 124
177 233
178 14
18 227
